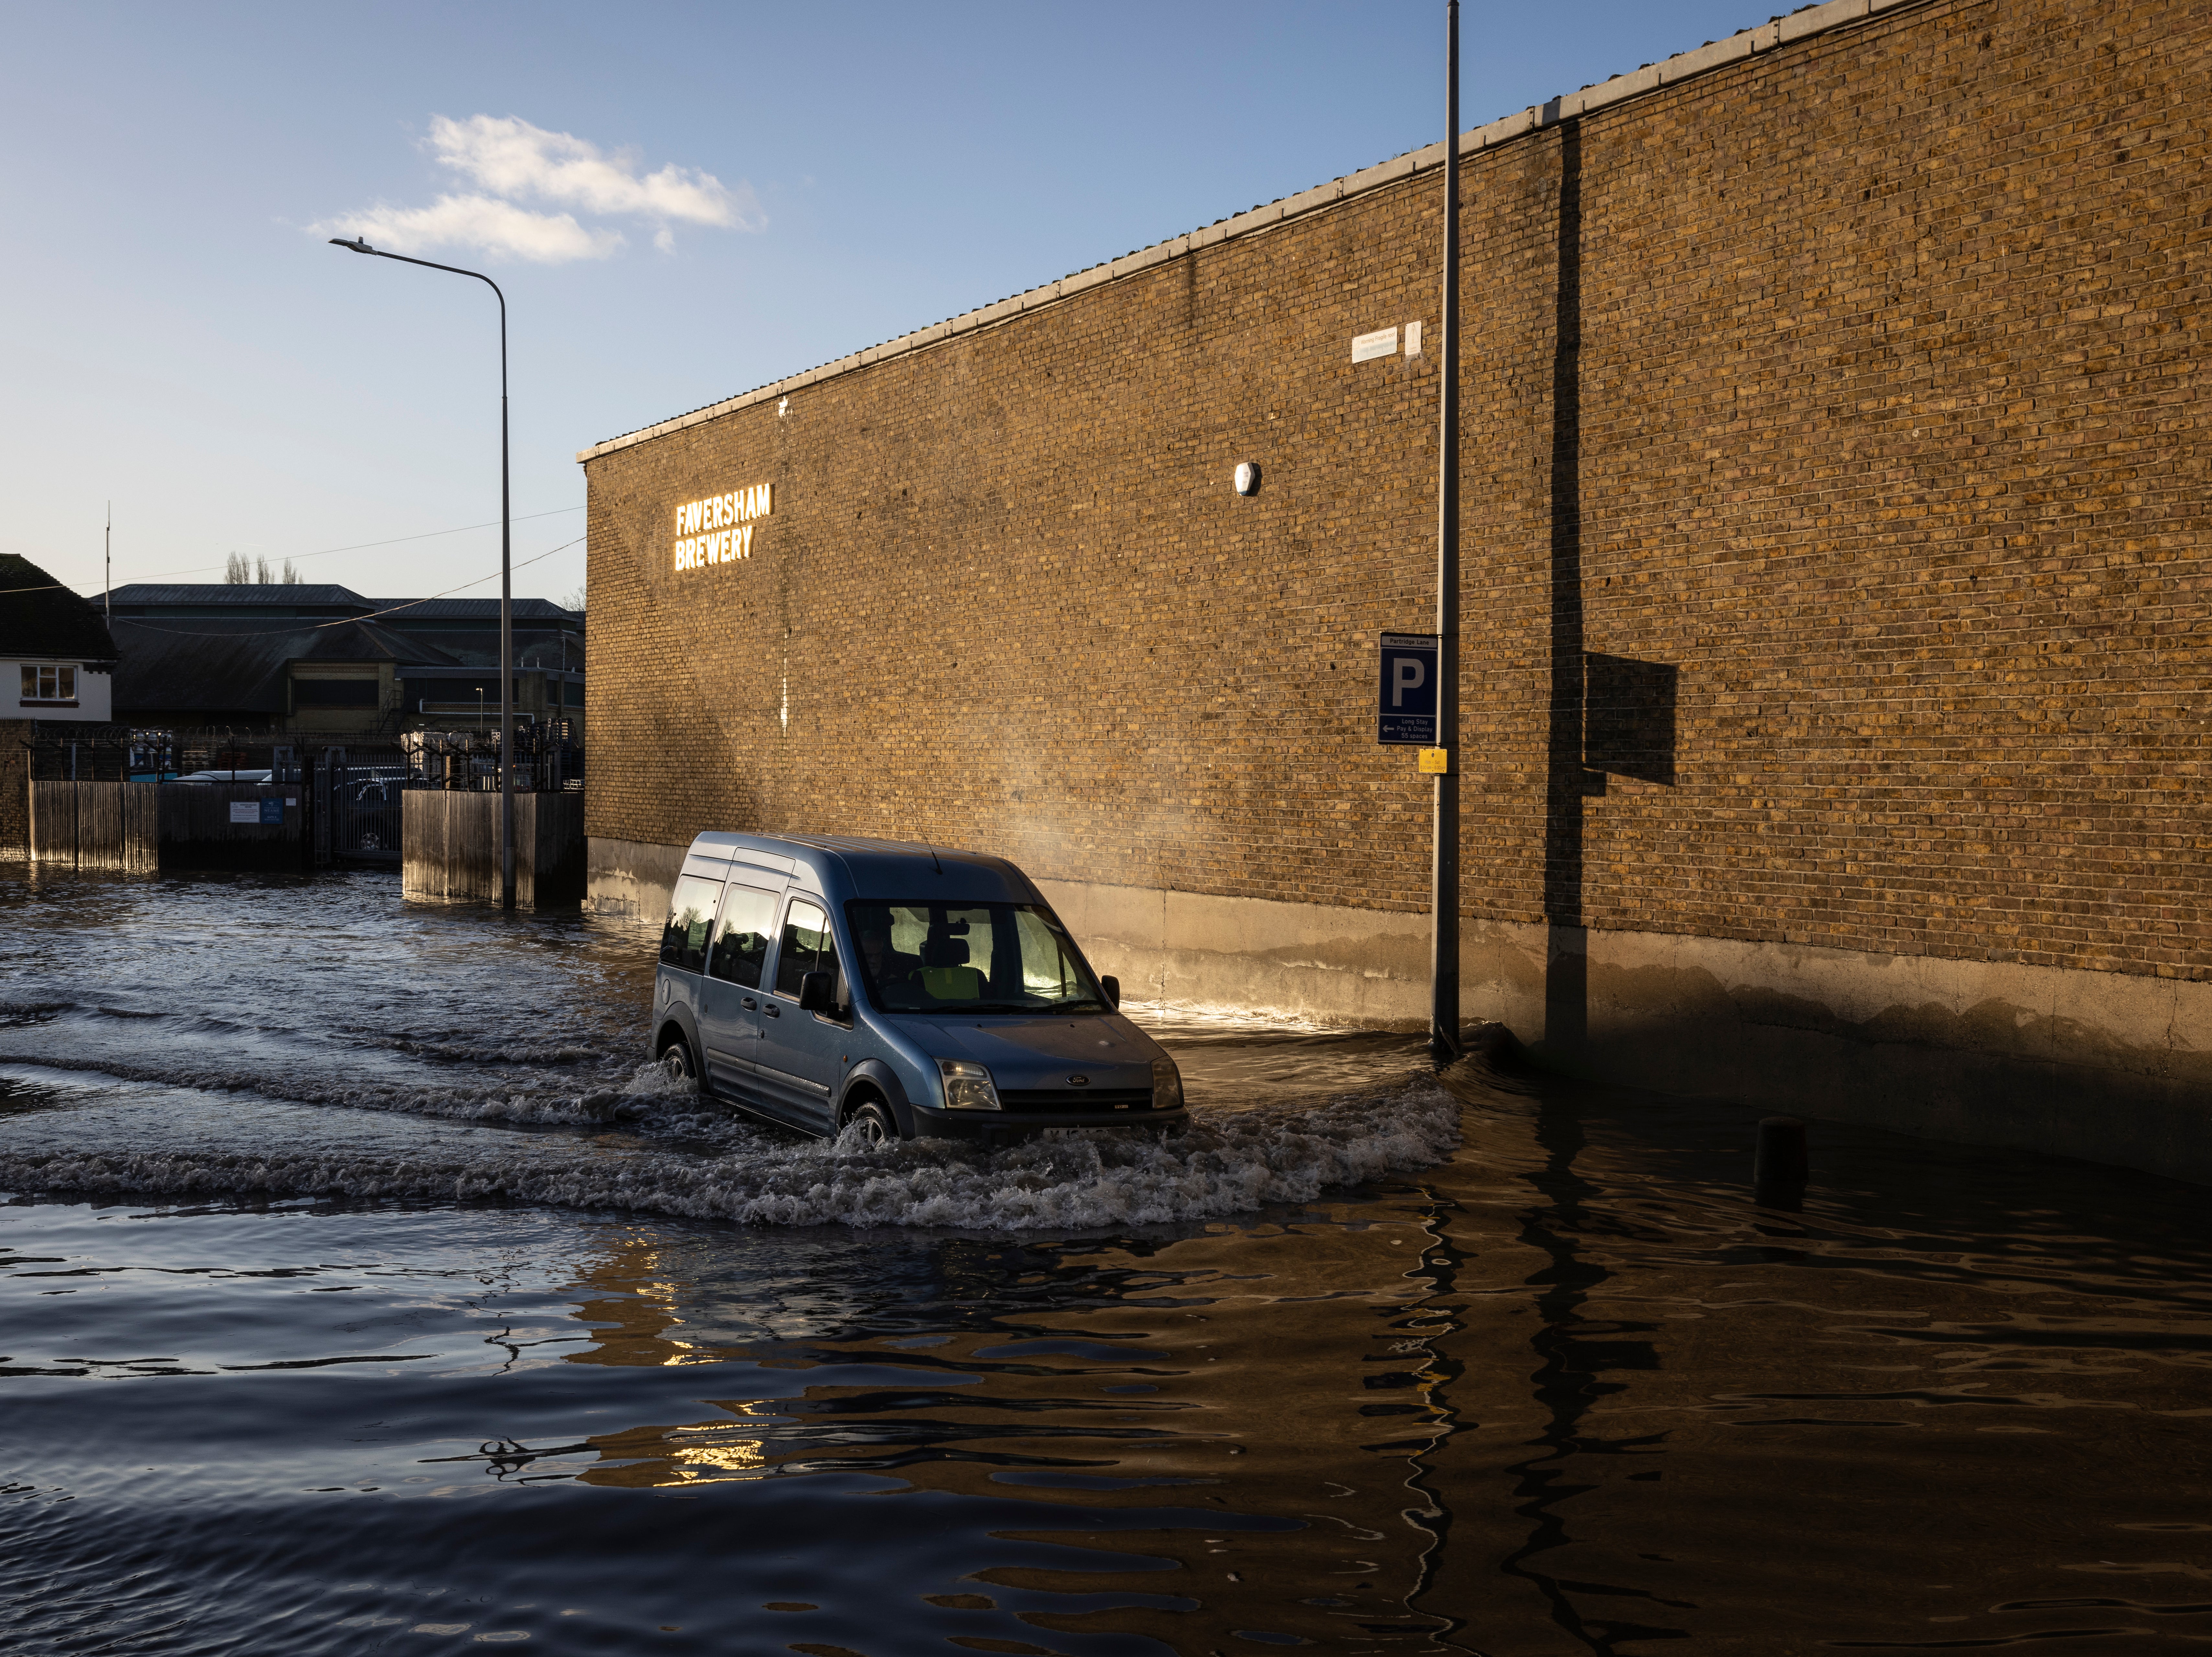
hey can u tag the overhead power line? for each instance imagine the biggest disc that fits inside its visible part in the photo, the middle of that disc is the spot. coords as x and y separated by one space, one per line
359 546
344 621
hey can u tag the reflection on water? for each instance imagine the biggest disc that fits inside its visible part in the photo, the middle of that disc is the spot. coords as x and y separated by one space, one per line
1564 1390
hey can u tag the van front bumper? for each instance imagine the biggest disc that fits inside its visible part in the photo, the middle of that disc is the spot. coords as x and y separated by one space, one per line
991 1127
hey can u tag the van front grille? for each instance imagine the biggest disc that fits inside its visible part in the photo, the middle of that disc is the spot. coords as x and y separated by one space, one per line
1074 1099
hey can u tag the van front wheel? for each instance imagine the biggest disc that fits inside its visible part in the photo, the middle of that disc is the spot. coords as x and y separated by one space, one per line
676 1061
874 1127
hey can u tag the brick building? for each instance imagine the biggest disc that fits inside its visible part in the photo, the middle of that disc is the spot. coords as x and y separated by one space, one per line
1834 667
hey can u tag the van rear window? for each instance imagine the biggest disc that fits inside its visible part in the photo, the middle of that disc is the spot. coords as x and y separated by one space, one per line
741 945
690 918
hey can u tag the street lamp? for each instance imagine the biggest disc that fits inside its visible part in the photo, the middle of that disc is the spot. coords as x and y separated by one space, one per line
506 595
1444 895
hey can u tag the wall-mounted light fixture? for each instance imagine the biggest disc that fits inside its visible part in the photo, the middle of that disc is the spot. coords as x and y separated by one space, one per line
1247 477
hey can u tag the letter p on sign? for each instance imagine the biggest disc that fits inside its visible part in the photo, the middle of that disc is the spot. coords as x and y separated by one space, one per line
1405 690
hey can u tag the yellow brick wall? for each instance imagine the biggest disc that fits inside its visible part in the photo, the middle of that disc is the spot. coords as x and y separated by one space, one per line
1860 384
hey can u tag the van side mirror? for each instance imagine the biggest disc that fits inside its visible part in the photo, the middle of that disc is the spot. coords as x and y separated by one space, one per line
818 993
1112 985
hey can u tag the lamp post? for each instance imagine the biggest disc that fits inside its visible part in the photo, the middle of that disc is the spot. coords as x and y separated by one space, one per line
1443 962
505 594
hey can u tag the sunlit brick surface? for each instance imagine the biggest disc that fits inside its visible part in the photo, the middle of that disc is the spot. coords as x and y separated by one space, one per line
1859 383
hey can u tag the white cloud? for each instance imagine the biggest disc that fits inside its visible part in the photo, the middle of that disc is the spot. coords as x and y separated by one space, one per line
497 228
508 159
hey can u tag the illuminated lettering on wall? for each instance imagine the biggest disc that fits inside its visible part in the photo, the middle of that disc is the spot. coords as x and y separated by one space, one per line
720 529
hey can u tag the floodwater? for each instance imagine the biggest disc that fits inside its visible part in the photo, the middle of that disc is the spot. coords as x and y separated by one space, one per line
360 1291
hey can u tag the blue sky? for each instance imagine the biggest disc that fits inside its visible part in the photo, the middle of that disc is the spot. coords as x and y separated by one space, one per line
681 202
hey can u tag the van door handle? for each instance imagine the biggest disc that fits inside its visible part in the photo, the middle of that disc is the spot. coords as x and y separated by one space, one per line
749 1003
773 1010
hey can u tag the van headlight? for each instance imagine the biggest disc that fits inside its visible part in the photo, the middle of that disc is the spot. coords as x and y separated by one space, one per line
1167 1085
967 1085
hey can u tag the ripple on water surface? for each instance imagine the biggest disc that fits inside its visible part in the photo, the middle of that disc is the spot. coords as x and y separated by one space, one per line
361 1295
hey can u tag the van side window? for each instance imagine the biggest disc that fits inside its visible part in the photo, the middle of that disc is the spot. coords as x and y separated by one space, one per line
807 947
741 940
690 918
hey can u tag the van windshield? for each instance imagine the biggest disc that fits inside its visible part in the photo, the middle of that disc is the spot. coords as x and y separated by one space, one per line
970 957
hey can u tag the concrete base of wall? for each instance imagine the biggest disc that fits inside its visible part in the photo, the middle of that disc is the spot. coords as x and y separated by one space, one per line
631 880
2112 1067
1309 960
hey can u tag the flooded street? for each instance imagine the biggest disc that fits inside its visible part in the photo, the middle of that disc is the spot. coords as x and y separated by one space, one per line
362 1290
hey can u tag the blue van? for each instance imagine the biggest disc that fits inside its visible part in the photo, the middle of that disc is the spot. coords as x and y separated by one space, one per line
902 991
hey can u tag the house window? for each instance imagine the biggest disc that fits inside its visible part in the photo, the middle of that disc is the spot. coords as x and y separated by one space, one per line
50 687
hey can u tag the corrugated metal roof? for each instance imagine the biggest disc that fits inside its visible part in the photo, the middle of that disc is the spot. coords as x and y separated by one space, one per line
218 666
243 594
278 601
217 663
487 610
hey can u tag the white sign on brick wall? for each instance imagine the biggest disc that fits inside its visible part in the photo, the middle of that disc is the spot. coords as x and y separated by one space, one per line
1383 341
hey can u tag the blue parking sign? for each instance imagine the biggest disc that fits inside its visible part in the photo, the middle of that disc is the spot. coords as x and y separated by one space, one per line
1406 697
272 812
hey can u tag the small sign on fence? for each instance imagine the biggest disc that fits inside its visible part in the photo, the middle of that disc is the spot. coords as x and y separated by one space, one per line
246 811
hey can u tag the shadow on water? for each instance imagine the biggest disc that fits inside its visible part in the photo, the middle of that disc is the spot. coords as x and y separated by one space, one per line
1568 1380
1561 1388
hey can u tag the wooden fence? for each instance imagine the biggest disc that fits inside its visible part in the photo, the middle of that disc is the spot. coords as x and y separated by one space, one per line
138 828
449 839
96 825
449 848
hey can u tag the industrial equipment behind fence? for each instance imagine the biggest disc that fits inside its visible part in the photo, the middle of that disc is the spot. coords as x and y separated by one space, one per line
357 789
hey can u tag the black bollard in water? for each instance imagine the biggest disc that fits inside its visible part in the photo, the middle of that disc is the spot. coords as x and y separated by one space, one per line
1779 1168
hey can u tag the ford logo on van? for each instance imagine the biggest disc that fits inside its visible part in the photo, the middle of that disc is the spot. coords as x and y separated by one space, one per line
1079 1081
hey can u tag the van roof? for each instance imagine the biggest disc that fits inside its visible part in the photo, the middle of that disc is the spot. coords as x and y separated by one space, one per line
851 865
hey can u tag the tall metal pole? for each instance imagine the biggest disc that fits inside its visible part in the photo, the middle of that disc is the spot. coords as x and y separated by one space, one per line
107 564
506 583
1443 963
506 642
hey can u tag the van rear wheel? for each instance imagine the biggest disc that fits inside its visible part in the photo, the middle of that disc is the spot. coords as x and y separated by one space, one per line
873 1125
676 1062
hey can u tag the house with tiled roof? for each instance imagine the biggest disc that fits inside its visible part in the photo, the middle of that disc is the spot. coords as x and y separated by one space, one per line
58 658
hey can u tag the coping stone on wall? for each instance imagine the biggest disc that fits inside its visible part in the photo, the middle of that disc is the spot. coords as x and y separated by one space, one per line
1799 25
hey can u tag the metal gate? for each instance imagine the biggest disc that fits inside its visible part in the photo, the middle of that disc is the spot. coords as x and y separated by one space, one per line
359 798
